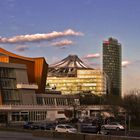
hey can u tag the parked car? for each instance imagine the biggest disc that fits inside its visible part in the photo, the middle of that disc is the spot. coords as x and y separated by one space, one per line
27 125
47 126
35 125
113 126
89 128
65 128
31 125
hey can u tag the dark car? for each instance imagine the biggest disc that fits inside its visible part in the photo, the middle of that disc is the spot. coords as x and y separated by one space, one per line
27 125
89 128
31 125
47 126
35 125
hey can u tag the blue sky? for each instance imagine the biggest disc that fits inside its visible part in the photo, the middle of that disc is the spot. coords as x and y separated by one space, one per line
96 19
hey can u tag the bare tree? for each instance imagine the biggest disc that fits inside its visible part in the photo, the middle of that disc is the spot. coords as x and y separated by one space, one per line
131 103
114 104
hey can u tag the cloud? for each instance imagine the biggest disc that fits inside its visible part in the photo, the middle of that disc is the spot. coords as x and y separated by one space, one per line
90 56
39 37
94 65
62 43
125 63
21 48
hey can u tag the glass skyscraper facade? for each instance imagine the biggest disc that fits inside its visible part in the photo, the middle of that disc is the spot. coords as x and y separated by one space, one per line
112 64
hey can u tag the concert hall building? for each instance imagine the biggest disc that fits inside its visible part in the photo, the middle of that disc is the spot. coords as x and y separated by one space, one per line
22 90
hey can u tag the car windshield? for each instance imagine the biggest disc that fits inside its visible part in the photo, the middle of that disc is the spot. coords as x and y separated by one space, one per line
49 124
36 123
60 119
68 126
114 123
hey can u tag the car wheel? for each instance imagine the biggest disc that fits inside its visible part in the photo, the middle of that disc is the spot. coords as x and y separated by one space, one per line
117 128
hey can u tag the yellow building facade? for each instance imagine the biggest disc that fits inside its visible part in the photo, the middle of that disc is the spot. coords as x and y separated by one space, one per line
87 81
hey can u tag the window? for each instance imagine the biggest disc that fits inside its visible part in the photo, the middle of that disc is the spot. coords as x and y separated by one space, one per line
60 112
60 126
39 100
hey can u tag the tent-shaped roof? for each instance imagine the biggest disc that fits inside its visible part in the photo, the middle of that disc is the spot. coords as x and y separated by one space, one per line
67 66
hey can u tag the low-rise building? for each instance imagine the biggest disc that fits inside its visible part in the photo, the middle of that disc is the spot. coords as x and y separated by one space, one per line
87 80
21 91
20 102
72 76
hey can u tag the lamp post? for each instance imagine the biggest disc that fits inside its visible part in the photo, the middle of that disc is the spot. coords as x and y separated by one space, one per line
129 121
100 103
75 106
125 124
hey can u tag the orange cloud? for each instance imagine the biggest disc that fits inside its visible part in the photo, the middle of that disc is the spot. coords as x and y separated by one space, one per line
125 63
90 56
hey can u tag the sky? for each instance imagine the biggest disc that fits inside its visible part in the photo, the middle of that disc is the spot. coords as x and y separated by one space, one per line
56 28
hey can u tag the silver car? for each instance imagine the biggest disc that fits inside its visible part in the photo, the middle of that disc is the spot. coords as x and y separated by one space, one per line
113 126
65 128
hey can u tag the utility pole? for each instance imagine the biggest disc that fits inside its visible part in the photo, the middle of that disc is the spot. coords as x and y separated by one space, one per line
129 122
125 124
100 104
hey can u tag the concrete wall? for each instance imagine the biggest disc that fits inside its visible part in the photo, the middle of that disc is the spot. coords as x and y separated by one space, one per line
52 115
80 136
28 97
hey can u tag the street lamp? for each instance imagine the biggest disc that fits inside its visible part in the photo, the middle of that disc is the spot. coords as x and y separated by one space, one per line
129 122
100 103
125 124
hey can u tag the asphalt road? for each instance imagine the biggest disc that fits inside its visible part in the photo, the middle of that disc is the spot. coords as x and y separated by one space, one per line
6 135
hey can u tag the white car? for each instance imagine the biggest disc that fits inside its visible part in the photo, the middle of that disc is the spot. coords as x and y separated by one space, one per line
65 128
113 126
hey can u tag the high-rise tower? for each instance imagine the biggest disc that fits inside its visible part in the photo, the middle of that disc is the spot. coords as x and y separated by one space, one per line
112 64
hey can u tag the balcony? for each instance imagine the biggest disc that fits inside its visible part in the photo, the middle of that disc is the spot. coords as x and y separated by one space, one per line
26 86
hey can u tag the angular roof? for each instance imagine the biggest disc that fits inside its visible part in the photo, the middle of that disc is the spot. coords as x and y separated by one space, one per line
36 67
67 66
